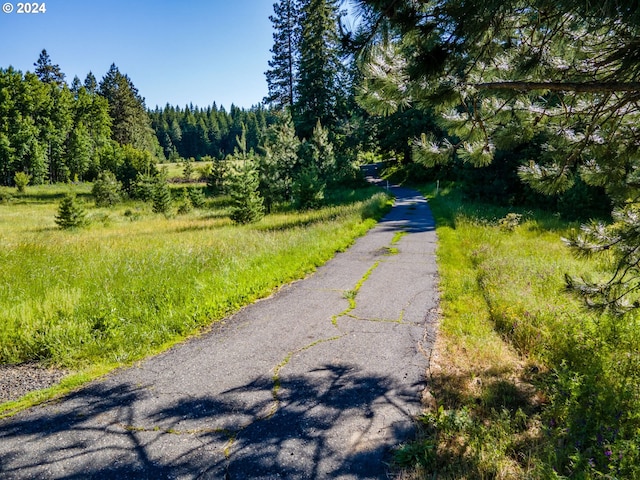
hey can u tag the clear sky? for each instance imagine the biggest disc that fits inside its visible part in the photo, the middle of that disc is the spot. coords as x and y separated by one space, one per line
177 52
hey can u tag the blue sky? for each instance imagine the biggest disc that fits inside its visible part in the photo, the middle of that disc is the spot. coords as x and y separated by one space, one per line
177 52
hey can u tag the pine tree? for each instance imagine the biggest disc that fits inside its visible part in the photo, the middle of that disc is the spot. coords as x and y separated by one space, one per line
283 66
70 213
47 72
90 83
130 122
278 164
162 201
76 84
106 190
185 205
217 179
197 197
247 204
570 90
309 188
319 68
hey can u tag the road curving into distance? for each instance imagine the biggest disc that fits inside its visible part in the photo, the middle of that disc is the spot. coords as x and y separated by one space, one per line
321 380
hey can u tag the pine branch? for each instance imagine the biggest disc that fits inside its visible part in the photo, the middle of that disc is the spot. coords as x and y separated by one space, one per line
578 87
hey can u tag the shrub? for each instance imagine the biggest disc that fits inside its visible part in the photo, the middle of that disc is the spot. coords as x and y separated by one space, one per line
106 189
21 180
197 197
248 205
308 189
143 187
70 213
161 195
185 205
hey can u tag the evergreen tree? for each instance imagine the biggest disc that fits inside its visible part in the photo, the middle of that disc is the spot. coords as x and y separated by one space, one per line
309 188
217 179
562 76
196 196
283 66
247 203
90 83
185 205
75 85
320 66
71 214
46 71
162 202
130 122
106 189
278 164
318 151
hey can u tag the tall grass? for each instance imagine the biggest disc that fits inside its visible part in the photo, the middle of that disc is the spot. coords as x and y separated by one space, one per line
134 282
527 383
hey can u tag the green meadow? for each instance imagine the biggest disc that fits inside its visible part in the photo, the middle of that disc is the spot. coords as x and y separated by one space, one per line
134 282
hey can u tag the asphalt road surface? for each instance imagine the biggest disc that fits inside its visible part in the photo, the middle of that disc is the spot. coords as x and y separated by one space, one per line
321 380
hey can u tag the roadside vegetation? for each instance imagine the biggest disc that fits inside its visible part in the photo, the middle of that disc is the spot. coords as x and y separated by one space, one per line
525 381
131 282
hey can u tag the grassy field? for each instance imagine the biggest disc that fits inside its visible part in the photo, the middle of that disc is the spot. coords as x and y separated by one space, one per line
525 382
134 282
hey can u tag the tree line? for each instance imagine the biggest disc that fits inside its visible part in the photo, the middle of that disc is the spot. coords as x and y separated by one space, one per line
193 132
55 132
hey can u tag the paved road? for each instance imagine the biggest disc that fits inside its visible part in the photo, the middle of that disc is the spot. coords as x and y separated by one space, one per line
318 381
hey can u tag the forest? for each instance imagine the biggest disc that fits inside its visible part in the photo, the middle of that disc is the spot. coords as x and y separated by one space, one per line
517 119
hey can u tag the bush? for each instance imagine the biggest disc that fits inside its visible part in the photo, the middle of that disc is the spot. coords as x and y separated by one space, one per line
21 180
248 205
161 195
106 189
308 189
197 197
185 205
143 187
70 213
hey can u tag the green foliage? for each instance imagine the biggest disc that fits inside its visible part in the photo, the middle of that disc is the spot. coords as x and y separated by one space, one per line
278 165
318 89
106 189
247 206
500 294
309 189
283 66
196 196
121 294
162 201
71 214
21 180
143 188
185 205
206 133
130 122
318 152
218 177
187 168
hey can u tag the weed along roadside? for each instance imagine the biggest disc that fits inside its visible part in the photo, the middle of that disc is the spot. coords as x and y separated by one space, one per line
331 398
525 381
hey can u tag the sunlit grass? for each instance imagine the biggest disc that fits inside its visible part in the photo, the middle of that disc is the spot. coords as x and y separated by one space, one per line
525 382
134 282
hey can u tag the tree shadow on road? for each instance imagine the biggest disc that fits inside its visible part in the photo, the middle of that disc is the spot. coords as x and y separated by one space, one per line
288 429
